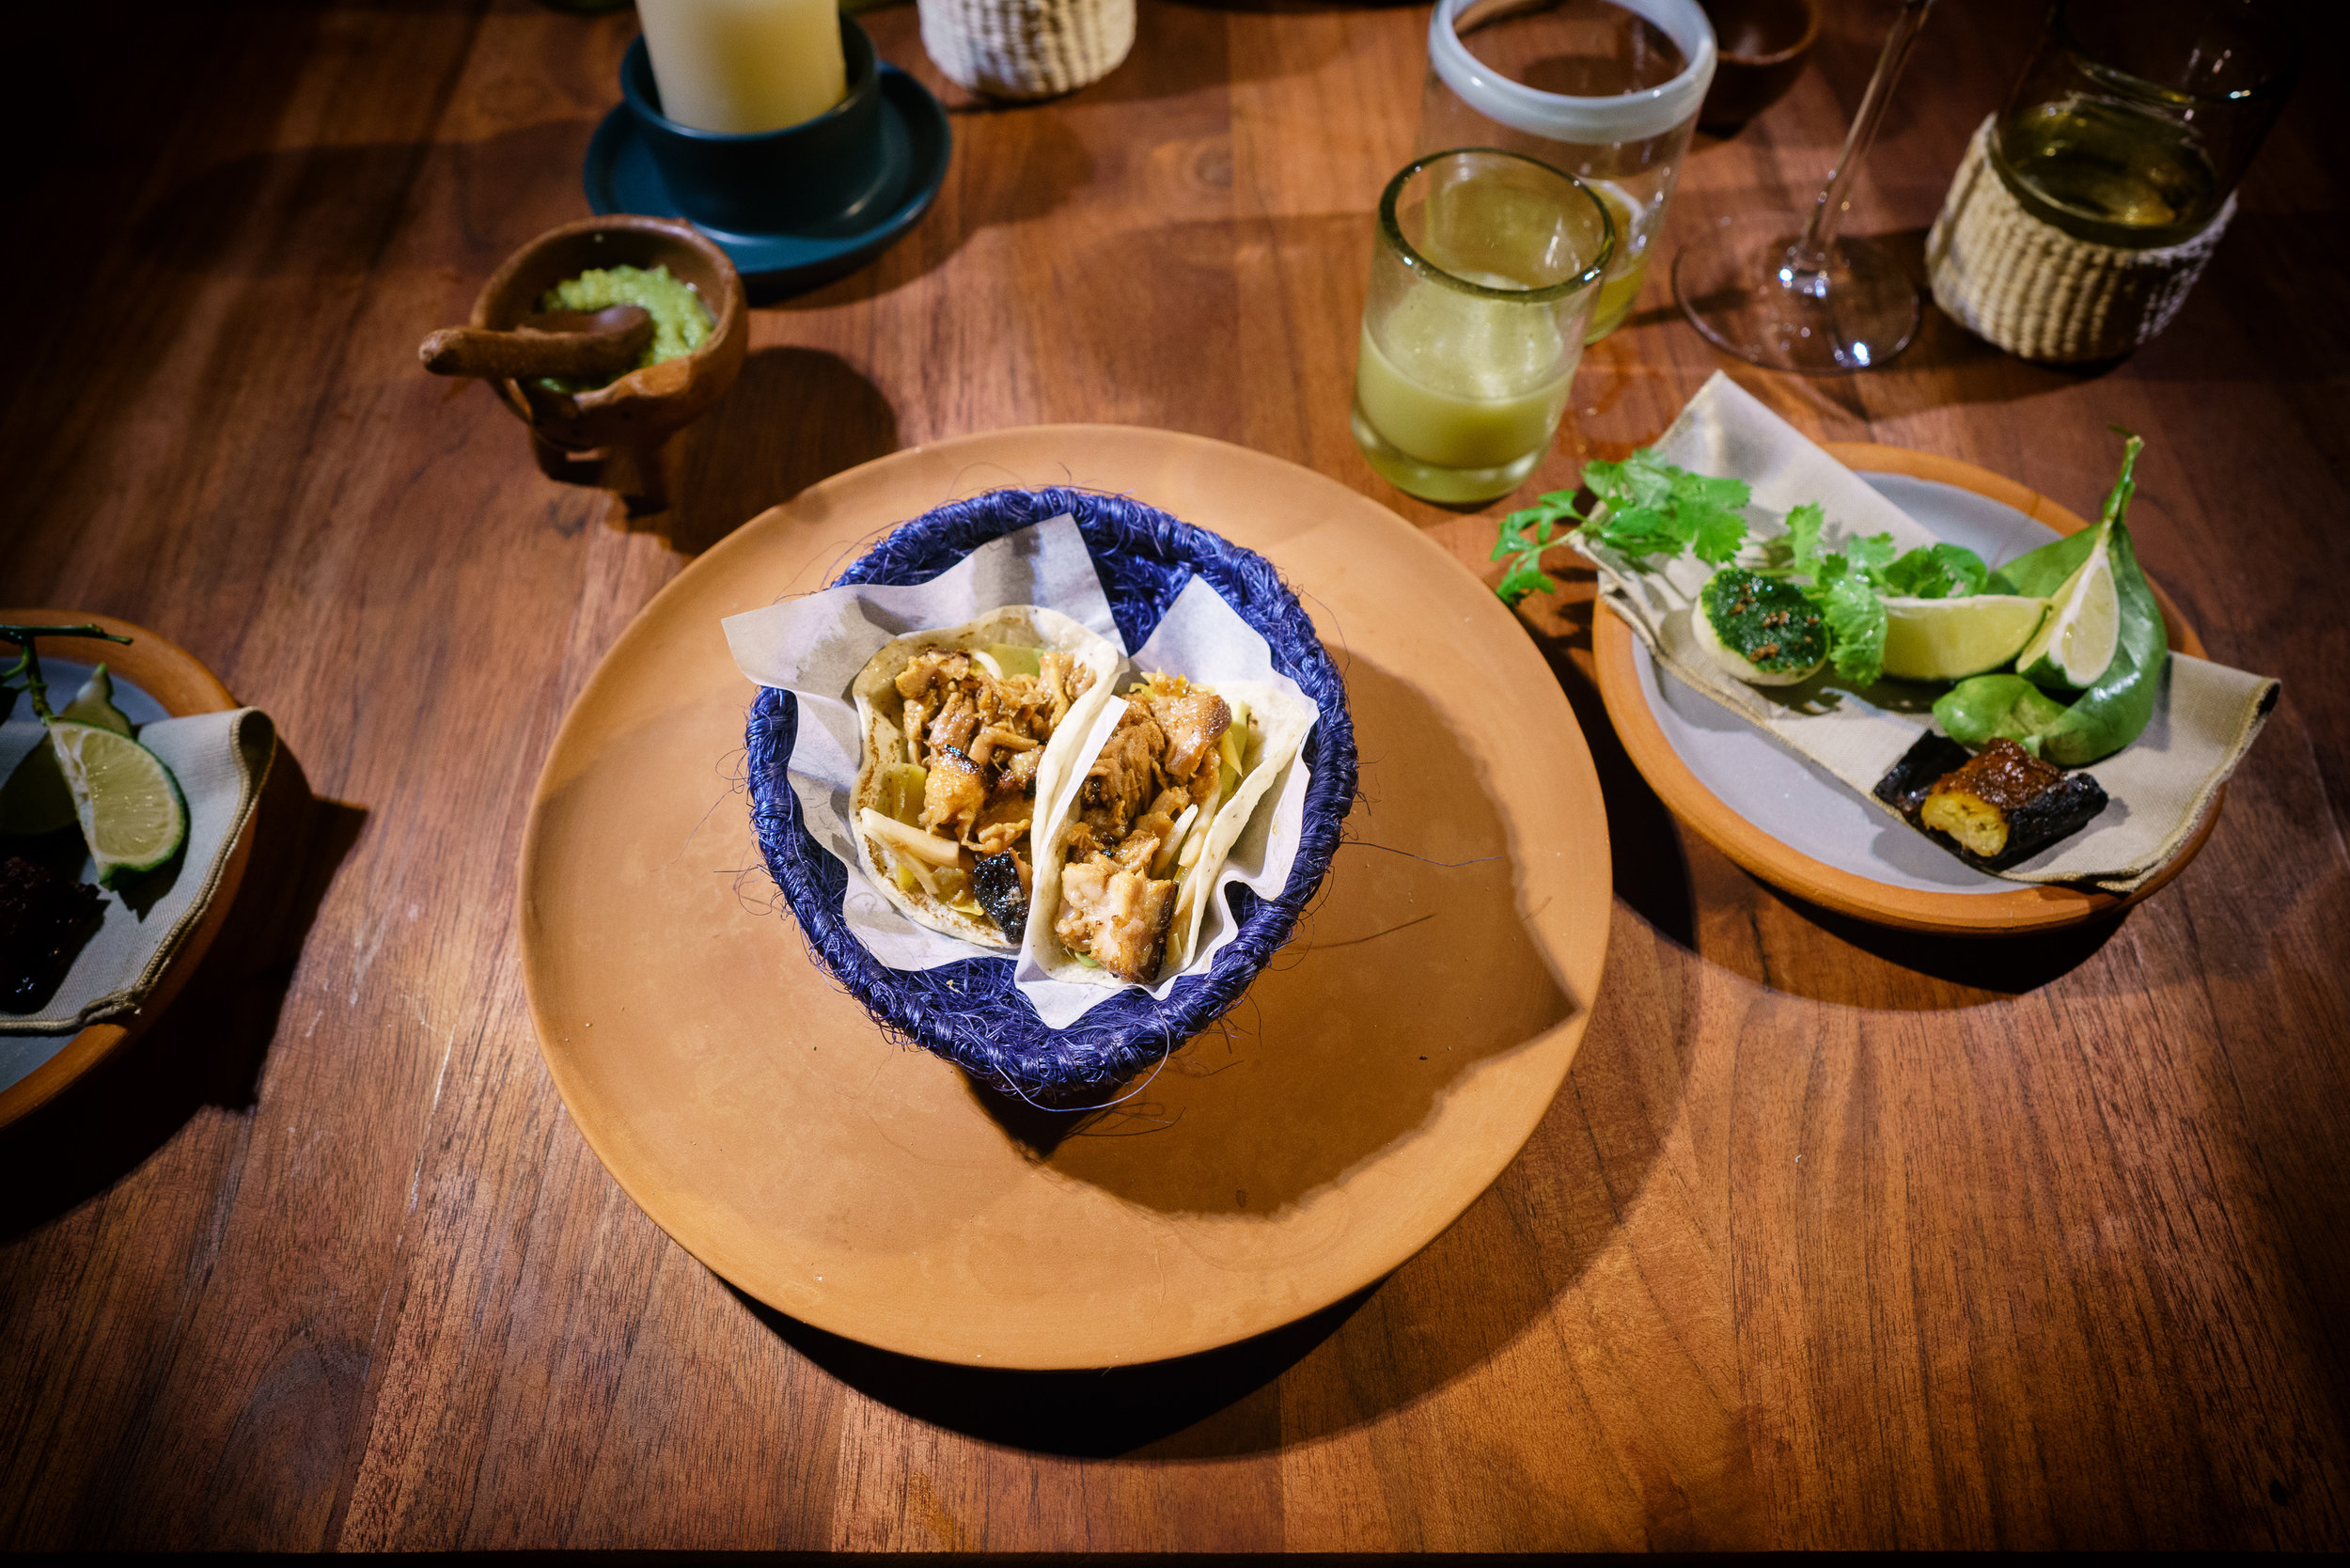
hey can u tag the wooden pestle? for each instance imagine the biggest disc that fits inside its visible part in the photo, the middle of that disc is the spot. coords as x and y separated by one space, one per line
577 345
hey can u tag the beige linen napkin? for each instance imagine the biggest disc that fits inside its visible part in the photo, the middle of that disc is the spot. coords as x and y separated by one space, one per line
220 760
2204 719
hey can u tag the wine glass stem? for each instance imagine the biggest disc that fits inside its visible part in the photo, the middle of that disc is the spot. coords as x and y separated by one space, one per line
1811 253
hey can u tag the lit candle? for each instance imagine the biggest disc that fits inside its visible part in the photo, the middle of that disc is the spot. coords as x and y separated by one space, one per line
741 66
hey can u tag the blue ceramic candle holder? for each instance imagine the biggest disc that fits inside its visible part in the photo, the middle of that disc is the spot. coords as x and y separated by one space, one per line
794 206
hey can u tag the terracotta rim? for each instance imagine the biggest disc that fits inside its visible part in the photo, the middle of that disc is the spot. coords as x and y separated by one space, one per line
179 680
618 1148
2027 908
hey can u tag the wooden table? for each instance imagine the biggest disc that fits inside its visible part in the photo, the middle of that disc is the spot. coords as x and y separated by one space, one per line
1834 1238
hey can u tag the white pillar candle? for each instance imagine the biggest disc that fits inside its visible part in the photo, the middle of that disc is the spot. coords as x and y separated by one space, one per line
742 66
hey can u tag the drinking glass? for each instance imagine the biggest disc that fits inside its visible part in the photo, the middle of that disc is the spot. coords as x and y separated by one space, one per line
2135 118
1790 292
1482 279
1605 93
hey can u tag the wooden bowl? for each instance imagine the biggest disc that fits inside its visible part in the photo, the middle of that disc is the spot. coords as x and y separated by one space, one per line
1764 44
630 420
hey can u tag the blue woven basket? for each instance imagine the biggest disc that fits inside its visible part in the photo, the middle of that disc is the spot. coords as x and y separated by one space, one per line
969 1012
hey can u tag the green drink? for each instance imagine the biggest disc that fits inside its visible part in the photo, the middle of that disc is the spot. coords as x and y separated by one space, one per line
1482 284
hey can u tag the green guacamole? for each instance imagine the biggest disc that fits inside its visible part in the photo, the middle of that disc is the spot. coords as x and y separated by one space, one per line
680 320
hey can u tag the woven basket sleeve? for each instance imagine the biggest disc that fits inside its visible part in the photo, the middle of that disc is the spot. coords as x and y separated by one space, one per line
1026 48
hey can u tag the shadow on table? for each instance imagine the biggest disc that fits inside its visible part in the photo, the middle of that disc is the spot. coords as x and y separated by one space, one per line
1416 968
1982 968
1482 1284
794 417
1413 967
1650 872
1091 1414
208 1048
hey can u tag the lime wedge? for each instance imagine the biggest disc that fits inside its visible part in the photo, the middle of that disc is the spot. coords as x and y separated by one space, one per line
34 799
95 704
133 816
1949 639
2076 643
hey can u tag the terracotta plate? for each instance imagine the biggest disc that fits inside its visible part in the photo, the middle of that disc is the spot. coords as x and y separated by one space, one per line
1375 1079
1900 879
172 677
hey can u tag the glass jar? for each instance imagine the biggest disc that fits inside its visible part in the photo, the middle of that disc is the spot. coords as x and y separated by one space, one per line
2135 119
1607 92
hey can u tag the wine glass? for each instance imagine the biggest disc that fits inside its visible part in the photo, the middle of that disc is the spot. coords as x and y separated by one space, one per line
1786 291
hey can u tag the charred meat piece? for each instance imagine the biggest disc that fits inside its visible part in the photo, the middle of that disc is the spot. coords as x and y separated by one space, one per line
1151 831
997 883
1061 679
44 919
1020 770
1004 821
1994 810
953 795
1122 917
1124 773
1194 723
958 718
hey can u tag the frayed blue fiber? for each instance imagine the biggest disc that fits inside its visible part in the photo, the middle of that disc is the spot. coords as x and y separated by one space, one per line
970 1013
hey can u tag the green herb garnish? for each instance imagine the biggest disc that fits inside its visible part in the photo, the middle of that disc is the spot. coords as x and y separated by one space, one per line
1641 506
1645 508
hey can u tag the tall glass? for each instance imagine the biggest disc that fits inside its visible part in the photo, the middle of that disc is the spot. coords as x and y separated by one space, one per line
1482 279
2135 118
1606 90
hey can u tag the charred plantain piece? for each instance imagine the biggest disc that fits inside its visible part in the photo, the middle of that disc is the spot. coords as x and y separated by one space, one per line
1907 782
44 919
1999 807
996 883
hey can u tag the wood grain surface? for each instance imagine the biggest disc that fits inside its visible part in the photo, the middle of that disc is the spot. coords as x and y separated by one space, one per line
1835 1236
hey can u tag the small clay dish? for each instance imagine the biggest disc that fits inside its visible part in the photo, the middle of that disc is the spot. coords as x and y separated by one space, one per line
628 420
1764 44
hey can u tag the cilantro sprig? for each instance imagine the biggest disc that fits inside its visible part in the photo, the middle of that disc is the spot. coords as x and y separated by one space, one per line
1644 507
1641 508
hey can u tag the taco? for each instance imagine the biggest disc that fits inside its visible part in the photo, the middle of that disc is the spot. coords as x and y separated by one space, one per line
1123 878
967 732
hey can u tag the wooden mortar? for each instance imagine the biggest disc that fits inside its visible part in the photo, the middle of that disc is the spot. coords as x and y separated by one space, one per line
621 428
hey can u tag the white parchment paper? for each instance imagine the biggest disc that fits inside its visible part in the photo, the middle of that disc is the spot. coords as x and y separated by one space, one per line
814 647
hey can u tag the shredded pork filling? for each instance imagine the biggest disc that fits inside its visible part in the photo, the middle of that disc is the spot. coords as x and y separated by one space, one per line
1160 760
979 737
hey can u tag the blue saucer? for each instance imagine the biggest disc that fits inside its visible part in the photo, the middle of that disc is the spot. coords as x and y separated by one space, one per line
621 178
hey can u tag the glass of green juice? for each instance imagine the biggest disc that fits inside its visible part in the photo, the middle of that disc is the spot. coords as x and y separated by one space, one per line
1484 276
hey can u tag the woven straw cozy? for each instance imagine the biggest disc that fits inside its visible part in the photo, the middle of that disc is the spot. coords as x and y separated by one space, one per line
2039 292
1026 48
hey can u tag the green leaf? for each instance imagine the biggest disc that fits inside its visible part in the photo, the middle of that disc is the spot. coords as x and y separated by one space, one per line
1976 711
1870 555
2115 712
2039 573
1936 572
1803 534
2110 713
1855 625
